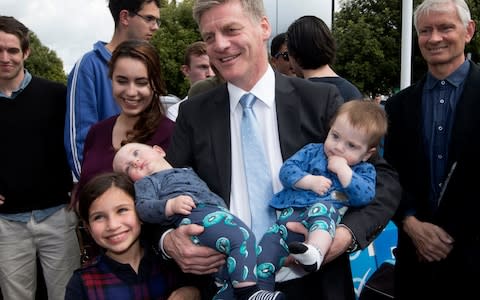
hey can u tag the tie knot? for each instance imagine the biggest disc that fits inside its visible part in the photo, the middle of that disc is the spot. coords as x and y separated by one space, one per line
248 100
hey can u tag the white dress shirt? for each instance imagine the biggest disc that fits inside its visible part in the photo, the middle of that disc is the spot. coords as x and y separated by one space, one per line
266 114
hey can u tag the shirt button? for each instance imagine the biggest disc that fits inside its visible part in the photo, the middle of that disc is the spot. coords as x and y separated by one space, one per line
442 101
440 156
442 82
440 128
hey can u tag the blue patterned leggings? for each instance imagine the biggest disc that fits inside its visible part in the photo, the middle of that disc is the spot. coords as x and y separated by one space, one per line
273 248
229 235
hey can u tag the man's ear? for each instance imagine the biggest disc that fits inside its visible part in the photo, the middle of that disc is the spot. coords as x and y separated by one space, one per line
266 28
470 31
369 153
185 70
26 54
123 17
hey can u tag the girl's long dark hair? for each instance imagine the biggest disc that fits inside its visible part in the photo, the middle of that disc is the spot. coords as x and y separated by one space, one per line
98 185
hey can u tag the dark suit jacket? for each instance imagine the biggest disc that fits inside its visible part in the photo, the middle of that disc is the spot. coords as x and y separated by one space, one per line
202 140
459 207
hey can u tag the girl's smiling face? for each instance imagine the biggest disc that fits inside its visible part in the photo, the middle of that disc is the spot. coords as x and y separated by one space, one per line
114 223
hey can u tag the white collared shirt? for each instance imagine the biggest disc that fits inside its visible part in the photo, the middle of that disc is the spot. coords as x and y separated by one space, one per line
266 114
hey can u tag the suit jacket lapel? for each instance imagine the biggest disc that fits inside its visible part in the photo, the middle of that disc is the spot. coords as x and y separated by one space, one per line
219 116
288 118
414 121
466 113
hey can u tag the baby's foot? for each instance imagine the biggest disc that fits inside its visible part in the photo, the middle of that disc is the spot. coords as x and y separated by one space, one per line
306 255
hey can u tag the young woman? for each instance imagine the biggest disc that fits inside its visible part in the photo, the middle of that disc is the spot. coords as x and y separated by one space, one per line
137 86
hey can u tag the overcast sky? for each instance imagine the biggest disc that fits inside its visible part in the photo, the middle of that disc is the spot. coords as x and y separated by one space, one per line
69 27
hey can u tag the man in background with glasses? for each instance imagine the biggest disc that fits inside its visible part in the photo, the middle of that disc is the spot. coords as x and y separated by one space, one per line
89 90
279 55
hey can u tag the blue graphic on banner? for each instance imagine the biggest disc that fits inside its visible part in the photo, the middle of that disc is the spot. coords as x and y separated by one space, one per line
365 262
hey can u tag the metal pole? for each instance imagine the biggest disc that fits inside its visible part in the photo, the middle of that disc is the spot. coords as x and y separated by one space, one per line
406 49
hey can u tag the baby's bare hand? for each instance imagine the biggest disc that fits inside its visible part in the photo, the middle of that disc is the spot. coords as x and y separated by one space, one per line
336 163
183 205
315 183
322 184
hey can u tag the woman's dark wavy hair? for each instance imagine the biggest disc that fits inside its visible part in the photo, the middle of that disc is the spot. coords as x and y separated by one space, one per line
311 43
149 119
98 185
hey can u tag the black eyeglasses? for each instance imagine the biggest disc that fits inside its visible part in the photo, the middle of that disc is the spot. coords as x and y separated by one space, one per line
149 19
283 54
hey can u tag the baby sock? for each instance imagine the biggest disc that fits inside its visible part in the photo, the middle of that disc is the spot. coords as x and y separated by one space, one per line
253 293
306 255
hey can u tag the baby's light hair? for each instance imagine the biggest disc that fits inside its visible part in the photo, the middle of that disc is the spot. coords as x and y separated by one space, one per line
365 115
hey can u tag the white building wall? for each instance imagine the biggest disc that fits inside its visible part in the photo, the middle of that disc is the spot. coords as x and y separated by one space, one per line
281 13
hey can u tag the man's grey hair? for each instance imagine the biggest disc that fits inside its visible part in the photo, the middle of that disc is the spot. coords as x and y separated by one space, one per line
429 6
253 8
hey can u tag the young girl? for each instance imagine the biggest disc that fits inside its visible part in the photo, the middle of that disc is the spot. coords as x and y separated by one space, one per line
127 269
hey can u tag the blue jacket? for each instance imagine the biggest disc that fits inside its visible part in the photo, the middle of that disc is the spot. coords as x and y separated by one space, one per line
311 159
89 100
152 193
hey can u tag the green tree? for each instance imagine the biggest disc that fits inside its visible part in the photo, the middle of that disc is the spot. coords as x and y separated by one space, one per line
44 62
368 44
177 31
474 46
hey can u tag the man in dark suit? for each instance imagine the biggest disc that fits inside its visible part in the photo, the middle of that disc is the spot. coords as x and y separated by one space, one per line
433 143
291 113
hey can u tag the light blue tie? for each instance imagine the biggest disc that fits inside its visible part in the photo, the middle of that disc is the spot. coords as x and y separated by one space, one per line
257 170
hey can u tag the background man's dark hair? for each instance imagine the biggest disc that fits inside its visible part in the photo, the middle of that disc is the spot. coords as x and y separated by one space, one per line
277 43
133 6
196 48
11 25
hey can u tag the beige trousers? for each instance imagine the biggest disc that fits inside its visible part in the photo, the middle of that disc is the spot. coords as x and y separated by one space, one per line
55 242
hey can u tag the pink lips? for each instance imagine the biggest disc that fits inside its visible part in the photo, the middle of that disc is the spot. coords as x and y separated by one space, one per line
117 238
